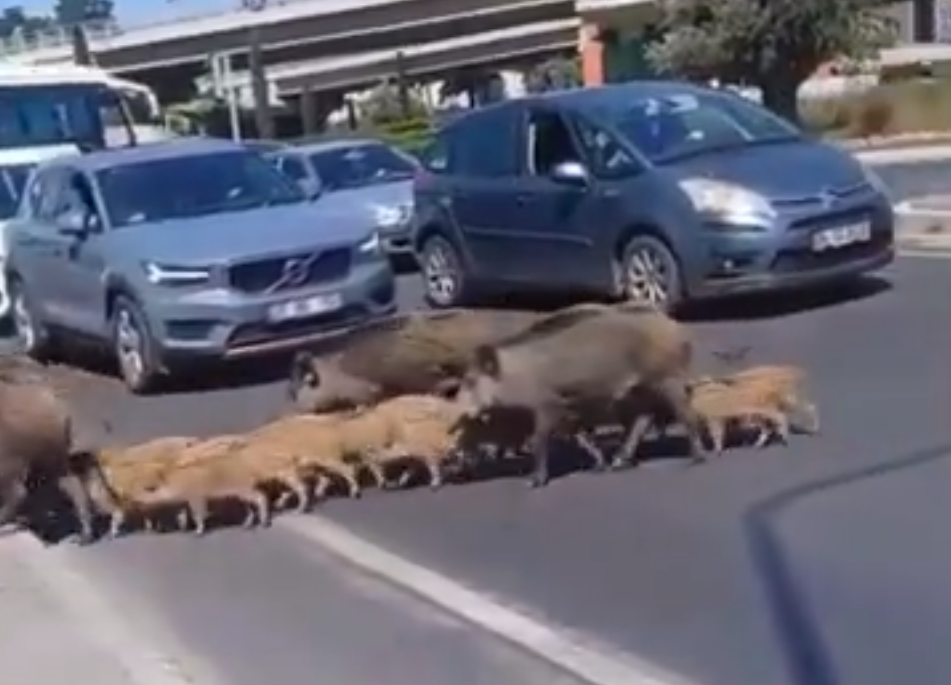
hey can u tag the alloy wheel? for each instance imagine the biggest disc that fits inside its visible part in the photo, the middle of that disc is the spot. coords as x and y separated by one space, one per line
441 274
648 277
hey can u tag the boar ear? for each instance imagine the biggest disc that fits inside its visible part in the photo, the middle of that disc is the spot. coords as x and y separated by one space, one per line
487 361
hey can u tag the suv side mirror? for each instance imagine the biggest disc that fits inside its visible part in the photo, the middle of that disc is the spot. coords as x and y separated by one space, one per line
571 174
73 223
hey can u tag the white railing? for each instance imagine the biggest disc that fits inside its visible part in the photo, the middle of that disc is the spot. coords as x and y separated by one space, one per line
54 37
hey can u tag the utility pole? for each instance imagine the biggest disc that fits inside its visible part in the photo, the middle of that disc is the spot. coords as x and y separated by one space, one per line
260 90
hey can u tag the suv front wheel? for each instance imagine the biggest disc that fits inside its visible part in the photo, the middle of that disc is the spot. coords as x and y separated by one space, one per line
444 279
134 347
34 339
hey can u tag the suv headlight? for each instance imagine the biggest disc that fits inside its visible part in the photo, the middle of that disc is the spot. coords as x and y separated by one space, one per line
166 274
726 203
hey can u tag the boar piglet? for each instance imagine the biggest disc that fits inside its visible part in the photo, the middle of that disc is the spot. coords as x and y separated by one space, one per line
582 369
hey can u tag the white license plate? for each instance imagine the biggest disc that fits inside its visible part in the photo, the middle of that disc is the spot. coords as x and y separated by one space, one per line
841 236
304 307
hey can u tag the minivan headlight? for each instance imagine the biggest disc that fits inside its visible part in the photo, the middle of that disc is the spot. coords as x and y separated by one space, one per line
370 246
166 274
727 203
387 216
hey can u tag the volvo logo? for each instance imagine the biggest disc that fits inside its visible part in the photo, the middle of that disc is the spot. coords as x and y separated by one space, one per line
295 273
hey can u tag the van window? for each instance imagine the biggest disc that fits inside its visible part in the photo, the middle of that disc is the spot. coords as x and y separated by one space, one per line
485 143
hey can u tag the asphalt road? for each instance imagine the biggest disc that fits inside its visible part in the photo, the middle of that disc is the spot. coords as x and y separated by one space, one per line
907 181
823 563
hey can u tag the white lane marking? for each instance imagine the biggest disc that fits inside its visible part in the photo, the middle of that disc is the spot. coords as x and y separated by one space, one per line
574 653
123 634
908 208
937 253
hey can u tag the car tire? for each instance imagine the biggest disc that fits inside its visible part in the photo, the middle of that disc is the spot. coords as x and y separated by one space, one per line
33 337
648 272
133 347
445 283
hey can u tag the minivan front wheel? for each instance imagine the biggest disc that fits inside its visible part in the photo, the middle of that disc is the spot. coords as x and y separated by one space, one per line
134 347
444 278
649 273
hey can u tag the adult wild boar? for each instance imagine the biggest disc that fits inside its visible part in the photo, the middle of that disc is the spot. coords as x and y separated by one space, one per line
586 366
36 435
424 352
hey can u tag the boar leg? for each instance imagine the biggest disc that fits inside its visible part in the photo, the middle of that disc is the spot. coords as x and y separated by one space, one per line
261 510
14 493
599 462
627 455
675 393
539 444
75 490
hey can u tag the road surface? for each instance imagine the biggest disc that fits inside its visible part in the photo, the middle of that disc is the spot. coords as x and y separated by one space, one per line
823 563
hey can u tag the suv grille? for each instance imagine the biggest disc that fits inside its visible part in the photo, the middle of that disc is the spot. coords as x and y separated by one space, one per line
289 273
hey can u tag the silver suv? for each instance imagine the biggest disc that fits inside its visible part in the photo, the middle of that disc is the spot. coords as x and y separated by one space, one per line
184 251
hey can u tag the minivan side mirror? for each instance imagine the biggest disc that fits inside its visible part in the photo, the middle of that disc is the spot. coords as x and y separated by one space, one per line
571 174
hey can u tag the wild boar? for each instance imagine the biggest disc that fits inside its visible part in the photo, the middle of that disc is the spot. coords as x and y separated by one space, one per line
720 406
220 475
422 353
299 451
783 385
132 472
581 368
36 434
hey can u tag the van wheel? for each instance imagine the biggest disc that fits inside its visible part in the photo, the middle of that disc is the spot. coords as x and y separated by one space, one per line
444 279
648 273
34 339
134 347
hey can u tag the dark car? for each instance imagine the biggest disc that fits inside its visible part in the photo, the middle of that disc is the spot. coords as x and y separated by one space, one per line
653 191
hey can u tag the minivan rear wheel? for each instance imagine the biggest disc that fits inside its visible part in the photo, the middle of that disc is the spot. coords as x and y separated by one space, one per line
444 279
649 273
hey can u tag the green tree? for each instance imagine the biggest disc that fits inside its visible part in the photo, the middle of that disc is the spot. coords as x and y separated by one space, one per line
89 12
14 19
774 45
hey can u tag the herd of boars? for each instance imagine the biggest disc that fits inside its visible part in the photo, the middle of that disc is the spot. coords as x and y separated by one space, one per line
438 393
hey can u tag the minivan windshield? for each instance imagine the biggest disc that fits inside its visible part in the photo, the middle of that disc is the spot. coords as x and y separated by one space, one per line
360 165
687 123
33 116
12 181
192 185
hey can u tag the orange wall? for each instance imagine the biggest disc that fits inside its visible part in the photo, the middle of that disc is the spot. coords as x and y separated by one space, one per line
592 55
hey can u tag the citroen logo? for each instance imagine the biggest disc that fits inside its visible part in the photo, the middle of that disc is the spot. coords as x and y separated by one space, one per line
827 197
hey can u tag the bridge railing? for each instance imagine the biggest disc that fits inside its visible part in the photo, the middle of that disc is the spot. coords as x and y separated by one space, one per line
53 37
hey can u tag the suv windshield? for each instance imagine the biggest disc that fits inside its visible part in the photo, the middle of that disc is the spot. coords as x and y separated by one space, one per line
191 186
12 181
361 165
680 124
55 115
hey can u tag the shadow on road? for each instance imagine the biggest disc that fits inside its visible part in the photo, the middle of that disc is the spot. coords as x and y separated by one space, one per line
773 305
808 658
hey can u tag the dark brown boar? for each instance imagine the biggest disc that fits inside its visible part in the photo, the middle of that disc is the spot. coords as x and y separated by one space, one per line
422 353
36 434
582 368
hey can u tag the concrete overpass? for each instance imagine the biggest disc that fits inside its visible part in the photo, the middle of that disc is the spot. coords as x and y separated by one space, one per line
503 46
294 30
